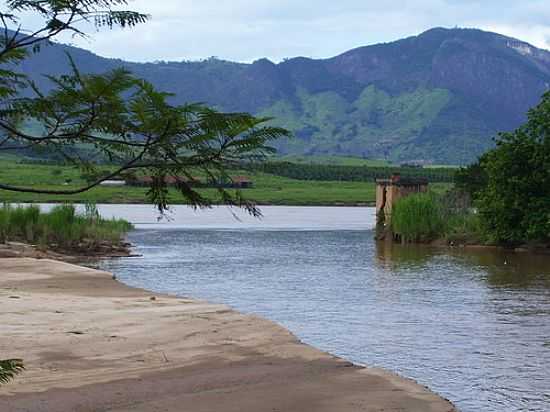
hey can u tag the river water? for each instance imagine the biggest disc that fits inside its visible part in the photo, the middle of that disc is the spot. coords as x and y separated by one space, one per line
474 327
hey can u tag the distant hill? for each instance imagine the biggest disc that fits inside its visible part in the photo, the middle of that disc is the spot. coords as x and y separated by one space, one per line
438 97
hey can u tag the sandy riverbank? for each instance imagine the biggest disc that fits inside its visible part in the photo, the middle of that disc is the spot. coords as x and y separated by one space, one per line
24 250
91 343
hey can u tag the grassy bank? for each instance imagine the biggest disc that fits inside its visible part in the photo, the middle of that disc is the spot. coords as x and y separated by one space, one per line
425 217
443 220
62 228
268 189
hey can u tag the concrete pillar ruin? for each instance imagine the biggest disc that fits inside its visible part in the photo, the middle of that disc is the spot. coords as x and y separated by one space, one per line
388 192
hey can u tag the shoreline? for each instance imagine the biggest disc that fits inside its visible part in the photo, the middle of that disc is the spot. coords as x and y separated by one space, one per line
14 249
89 340
543 250
443 244
371 203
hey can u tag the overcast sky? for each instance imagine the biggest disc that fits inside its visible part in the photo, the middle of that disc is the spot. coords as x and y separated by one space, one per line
245 30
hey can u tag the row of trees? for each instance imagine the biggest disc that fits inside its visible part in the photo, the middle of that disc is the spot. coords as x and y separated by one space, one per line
510 184
348 173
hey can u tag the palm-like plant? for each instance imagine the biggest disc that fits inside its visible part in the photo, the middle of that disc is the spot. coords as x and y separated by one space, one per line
9 368
116 117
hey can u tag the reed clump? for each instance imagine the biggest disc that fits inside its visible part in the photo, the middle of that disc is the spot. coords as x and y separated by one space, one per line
424 217
61 228
466 228
417 218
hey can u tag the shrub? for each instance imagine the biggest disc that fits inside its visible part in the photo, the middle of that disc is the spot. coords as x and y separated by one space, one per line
514 203
465 228
426 216
61 228
9 368
417 218
4 225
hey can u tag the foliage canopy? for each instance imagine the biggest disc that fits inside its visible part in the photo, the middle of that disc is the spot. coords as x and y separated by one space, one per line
116 117
9 368
510 184
515 203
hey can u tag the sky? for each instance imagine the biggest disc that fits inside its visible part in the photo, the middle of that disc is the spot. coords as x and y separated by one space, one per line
246 30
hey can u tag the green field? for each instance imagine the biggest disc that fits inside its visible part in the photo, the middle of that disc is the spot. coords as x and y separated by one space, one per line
268 189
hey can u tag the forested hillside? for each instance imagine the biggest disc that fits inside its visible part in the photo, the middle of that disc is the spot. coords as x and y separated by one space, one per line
438 97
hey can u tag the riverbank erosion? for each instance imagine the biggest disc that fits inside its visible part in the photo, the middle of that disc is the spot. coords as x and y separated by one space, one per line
91 343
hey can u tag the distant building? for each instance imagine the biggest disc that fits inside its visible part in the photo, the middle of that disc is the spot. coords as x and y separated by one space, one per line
140 181
113 182
412 165
242 182
168 180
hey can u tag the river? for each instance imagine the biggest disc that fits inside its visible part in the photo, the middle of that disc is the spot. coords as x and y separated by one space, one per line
474 327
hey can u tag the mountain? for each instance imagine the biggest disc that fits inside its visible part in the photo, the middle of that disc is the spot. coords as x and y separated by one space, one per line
437 97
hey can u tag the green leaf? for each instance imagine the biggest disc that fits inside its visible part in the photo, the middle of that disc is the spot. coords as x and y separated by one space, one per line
9 369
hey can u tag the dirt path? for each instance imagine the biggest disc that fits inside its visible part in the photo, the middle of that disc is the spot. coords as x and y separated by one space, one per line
91 343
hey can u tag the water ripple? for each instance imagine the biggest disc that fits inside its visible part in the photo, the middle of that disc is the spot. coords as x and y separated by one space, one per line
469 327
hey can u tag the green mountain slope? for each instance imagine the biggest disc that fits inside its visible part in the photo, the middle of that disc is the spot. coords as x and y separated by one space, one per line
440 97
375 124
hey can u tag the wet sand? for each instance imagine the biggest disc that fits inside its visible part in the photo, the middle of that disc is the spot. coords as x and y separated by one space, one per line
91 343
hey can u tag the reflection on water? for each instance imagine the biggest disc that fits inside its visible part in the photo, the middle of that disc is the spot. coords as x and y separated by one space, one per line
472 325
507 299
502 268
392 255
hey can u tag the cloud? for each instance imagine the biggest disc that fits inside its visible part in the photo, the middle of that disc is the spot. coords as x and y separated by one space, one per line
245 30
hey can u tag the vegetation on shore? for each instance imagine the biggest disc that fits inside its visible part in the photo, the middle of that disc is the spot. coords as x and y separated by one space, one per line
509 189
87 119
425 217
510 185
62 228
9 368
268 189
416 218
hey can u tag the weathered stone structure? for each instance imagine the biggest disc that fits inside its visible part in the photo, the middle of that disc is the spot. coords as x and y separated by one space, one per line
388 192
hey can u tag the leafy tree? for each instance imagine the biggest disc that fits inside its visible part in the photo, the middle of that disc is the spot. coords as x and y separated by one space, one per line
473 178
515 204
115 117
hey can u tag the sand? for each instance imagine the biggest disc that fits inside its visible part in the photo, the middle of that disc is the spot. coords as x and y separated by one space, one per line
91 343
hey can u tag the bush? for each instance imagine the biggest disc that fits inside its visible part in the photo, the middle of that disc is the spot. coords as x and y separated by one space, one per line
19 222
418 218
61 228
9 368
425 217
465 228
514 202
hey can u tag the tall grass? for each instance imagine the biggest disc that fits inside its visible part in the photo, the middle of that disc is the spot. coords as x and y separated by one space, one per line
417 218
61 228
466 228
425 217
